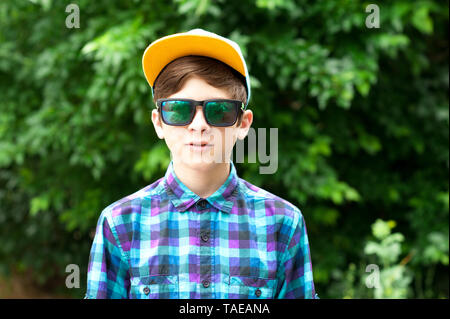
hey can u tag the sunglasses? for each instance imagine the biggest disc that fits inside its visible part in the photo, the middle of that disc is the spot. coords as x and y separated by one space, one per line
217 112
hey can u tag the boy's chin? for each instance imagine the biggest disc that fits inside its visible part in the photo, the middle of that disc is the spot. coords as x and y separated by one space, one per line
199 163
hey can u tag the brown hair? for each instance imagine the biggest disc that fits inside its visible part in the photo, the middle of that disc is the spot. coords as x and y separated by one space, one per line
212 71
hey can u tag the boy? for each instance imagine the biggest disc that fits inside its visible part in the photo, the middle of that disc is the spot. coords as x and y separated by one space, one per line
200 231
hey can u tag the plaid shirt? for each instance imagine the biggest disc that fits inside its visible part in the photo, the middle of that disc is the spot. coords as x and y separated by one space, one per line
164 241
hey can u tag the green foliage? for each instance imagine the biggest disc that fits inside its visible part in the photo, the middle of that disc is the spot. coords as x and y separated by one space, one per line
362 115
382 277
388 248
393 278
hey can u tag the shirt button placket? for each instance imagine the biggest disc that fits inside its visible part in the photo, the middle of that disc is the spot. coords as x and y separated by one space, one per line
206 252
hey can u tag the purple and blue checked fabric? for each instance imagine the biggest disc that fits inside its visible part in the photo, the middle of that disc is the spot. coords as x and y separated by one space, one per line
164 241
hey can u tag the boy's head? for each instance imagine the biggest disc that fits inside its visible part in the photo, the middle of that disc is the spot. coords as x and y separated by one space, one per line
199 134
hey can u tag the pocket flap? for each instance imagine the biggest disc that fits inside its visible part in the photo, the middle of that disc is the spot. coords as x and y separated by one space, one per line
158 280
242 287
252 281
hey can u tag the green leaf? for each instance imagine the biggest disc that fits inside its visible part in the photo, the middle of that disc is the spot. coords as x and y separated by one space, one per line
421 19
39 203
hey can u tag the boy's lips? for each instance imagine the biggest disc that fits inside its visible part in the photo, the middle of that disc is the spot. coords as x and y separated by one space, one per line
201 143
199 146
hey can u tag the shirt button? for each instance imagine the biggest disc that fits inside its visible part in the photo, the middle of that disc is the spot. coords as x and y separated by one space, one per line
258 292
205 237
146 290
206 283
202 204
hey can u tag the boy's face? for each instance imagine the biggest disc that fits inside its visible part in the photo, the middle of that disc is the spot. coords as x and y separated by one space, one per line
181 139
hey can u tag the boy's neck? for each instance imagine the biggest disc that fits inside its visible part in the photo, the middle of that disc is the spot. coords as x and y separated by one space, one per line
202 182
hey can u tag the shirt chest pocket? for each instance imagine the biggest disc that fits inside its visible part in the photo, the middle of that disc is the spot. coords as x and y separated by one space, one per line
241 287
154 287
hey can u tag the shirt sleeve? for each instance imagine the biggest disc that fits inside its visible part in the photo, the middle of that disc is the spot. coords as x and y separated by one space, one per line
295 269
108 269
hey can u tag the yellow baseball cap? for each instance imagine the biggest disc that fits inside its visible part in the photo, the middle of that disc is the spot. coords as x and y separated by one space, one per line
194 42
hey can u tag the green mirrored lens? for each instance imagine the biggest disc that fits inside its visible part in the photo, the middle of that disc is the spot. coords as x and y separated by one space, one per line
176 112
220 113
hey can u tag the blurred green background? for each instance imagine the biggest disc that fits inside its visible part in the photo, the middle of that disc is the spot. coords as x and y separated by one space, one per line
362 117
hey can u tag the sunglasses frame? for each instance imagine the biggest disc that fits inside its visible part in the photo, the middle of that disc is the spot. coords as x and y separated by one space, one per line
240 107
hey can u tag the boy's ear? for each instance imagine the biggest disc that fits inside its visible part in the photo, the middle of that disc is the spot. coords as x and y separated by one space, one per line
246 122
157 123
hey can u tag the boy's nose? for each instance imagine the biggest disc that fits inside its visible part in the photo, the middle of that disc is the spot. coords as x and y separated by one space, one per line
198 123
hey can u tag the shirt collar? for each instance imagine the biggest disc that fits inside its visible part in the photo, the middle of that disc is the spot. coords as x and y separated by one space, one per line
183 198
